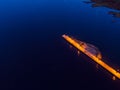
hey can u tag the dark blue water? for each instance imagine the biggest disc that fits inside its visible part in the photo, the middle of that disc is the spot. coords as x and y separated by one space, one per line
33 54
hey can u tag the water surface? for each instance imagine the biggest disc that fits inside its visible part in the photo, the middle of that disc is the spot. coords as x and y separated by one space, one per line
34 55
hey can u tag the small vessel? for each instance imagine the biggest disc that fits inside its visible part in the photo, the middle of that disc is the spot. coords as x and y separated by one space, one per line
89 48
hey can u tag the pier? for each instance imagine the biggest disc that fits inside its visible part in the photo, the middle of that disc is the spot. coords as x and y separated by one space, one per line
96 59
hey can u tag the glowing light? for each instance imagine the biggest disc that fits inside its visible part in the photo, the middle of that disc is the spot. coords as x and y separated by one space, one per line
114 78
93 57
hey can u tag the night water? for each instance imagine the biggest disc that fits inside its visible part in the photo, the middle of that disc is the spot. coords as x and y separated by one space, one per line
33 55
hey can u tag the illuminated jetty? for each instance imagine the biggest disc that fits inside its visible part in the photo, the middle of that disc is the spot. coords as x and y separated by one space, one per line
93 53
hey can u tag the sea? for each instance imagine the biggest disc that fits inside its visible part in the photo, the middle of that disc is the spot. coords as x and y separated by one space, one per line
34 56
